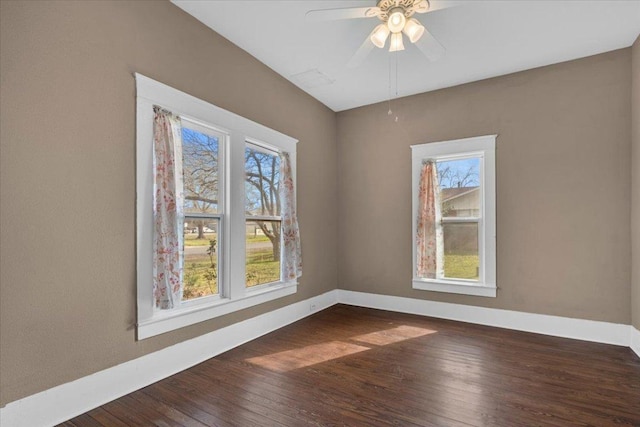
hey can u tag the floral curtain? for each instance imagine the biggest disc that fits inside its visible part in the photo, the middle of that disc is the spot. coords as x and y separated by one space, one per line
292 254
168 216
429 228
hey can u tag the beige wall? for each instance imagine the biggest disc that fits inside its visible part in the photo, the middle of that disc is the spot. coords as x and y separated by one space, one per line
635 184
67 180
563 188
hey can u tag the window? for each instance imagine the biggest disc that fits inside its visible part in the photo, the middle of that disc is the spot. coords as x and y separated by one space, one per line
454 216
230 226
203 207
262 207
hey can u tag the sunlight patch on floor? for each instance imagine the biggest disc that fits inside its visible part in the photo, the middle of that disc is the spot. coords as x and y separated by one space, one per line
306 356
289 360
390 336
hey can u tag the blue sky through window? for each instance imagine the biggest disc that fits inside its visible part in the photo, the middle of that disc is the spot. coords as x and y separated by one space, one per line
459 173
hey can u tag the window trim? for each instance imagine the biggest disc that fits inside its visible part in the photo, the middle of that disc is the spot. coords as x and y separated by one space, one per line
237 130
480 146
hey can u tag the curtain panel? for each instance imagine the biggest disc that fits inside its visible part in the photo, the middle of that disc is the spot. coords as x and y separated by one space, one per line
292 254
429 237
168 216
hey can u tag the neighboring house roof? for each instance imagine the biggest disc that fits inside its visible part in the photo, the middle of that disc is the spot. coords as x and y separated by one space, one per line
454 193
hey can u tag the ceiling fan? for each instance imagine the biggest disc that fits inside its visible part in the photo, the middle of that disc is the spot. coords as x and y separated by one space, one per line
397 18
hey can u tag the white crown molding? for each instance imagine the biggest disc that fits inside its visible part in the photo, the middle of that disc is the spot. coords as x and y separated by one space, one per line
68 400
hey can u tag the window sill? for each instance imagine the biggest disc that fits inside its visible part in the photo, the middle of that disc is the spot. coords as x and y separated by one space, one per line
455 287
169 320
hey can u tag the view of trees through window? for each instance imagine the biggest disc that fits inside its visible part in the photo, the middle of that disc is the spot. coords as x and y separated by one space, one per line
201 176
262 208
200 163
460 200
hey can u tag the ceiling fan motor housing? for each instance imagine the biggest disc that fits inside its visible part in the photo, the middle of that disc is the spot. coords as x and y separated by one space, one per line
408 7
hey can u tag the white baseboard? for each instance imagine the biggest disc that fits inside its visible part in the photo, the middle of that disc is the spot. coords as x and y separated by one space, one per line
68 400
635 340
587 330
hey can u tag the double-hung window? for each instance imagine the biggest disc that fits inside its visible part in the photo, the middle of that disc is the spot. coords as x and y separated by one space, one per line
223 247
263 220
454 219
203 172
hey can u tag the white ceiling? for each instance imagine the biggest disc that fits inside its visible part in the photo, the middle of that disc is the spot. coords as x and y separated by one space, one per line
483 39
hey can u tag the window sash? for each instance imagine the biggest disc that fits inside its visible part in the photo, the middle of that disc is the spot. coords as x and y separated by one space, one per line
461 219
204 215
262 147
257 287
222 289
222 137
263 218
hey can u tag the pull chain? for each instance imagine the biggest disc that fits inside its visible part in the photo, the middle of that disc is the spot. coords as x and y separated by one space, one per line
396 97
389 91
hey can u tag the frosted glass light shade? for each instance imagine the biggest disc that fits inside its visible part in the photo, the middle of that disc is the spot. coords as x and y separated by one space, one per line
396 42
379 35
414 30
396 21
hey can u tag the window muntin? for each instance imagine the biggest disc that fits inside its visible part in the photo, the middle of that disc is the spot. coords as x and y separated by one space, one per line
263 241
468 226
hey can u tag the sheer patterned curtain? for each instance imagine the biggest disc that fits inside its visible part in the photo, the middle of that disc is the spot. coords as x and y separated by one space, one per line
429 242
168 216
292 254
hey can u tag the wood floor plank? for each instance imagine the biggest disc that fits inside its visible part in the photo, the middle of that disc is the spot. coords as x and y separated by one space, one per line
306 396
182 403
105 418
352 366
208 411
166 410
85 420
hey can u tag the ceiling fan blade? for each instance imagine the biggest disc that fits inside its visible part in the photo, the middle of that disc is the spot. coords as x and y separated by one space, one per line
430 47
433 5
362 52
343 13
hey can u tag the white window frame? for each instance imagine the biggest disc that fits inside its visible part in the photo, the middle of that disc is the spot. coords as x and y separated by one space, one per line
484 148
235 130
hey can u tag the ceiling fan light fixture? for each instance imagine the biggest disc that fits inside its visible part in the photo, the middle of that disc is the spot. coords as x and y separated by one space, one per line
413 30
379 35
396 20
396 42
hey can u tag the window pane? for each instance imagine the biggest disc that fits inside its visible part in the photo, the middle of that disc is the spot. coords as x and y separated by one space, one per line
263 252
461 259
200 171
262 170
201 249
460 187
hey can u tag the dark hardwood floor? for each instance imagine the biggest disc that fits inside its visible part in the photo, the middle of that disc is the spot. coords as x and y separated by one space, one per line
362 367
